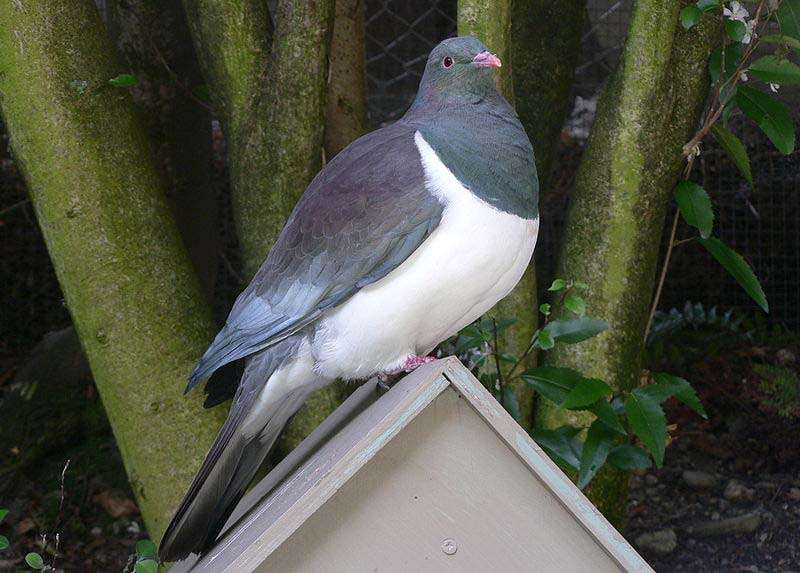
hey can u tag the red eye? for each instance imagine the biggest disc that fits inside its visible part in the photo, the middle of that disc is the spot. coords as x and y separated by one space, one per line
447 62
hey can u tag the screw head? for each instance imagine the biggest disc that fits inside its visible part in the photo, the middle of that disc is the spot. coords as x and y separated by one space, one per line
449 546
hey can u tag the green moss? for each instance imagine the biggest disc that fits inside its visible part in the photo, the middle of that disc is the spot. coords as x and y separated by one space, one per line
127 279
780 388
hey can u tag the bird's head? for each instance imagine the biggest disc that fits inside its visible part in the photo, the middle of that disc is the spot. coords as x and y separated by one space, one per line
459 70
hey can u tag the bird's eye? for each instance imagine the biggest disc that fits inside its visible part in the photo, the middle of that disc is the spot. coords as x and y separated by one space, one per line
447 61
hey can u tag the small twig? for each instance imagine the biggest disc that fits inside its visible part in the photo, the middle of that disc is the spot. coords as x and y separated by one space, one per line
497 358
13 206
663 276
230 268
177 78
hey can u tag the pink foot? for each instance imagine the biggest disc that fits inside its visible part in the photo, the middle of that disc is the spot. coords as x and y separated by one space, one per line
413 362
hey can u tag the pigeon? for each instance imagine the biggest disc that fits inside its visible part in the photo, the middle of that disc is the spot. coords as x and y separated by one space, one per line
405 237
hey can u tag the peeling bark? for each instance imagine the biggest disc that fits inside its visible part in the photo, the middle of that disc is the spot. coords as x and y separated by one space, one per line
615 221
127 279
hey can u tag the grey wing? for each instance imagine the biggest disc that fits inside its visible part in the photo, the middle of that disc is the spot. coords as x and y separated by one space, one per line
361 217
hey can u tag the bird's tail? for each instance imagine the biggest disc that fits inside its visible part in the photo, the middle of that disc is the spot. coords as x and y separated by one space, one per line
263 405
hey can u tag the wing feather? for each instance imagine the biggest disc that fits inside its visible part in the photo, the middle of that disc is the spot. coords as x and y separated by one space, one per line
364 214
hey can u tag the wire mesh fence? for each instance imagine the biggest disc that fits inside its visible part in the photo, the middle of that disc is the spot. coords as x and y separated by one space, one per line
762 225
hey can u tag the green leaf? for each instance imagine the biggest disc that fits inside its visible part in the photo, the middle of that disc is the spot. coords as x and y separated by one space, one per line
545 340
552 382
124 81
774 70
510 403
557 445
599 441
576 304
695 207
575 330
4 542
628 457
735 149
789 18
146 549
580 285
737 267
605 412
782 40
771 116
146 566
667 385
3 513
690 16
558 285
735 29
544 308
587 391
34 561
648 422
504 324
707 5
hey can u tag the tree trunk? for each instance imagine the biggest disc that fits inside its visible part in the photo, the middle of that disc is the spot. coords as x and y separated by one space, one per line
545 46
126 276
154 40
615 221
270 86
232 39
346 118
490 22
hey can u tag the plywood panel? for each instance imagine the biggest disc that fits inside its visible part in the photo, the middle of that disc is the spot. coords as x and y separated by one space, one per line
445 476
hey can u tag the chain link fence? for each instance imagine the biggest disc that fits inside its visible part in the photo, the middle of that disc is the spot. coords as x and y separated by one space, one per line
762 225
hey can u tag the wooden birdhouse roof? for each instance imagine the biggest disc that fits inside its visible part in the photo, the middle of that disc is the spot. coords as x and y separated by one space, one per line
433 475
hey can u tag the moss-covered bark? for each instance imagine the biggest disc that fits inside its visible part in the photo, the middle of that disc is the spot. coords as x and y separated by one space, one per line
545 46
280 149
346 117
118 255
490 22
154 40
633 158
232 39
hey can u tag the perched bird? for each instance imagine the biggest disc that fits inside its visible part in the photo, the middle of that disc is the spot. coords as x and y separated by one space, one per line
409 234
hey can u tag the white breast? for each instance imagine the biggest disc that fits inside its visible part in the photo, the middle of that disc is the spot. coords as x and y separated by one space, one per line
474 258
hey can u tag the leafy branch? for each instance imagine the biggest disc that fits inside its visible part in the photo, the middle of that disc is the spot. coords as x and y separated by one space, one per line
621 417
730 67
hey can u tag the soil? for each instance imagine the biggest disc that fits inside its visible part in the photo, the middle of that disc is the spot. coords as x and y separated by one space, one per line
742 464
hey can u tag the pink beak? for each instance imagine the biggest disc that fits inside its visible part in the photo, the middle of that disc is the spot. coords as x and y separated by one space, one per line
487 60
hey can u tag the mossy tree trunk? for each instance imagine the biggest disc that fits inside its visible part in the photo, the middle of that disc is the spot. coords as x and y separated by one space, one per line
125 274
154 41
538 43
270 87
613 231
346 117
545 46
